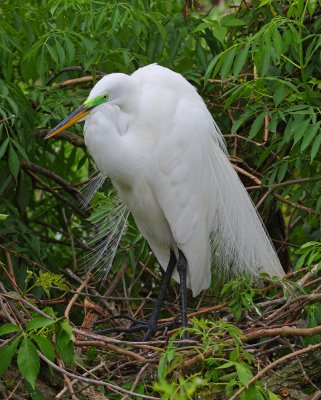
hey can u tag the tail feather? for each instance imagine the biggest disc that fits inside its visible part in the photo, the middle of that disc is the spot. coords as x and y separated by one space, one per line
239 239
109 222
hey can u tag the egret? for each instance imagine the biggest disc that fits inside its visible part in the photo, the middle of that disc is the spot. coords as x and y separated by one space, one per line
154 137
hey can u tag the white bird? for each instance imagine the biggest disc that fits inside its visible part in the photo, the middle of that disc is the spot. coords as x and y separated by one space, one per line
152 134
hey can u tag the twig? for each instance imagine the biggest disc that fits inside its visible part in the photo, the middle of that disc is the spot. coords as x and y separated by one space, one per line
77 81
266 128
5 311
198 312
28 304
243 172
272 365
45 187
75 297
258 334
116 349
308 275
63 391
305 375
143 345
71 237
8 258
316 396
295 205
285 183
33 263
7 118
10 275
263 198
82 378
67 380
136 381
63 70
116 280
16 313
62 182
64 135
95 294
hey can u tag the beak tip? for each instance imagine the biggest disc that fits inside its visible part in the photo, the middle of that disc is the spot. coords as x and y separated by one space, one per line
48 135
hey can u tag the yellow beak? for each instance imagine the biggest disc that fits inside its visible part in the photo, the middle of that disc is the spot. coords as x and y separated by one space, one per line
74 117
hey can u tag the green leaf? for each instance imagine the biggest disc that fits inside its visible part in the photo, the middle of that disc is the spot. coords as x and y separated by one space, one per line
315 147
309 135
65 325
39 322
70 49
65 347
3 147
256 126
6 354
45 346
14 162
65 343
299 129
308 244
265 2
228 63
300 261
273 396
277 42
53 54
204 25
210 68
114 18
265 56
20 149
8 328
28 361
240 60
60 52
282 171
3 217
231 20
244 374
312 4
279 94
162 366
220 33
289 130
201 55
318 205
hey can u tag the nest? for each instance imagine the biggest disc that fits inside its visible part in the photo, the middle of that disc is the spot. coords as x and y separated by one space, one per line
268 331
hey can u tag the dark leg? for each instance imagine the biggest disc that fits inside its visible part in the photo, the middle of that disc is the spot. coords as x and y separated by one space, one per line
162 291
182 271
151 326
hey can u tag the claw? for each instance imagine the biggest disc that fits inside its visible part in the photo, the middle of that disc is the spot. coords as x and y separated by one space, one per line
150 327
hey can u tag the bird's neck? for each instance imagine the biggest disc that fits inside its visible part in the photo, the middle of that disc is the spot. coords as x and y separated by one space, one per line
112 147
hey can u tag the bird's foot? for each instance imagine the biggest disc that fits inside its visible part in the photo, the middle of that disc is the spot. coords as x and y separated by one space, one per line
150 327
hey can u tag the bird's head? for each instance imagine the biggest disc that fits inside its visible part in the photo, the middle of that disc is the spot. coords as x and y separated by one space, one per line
118 89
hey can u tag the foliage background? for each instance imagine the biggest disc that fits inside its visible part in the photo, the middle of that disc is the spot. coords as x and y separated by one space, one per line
257 66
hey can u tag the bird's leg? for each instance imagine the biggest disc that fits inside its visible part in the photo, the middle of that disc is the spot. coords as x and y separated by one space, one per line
151 326
182 271
162 291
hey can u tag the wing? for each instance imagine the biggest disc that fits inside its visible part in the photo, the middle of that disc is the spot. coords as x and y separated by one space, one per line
204 201
182 188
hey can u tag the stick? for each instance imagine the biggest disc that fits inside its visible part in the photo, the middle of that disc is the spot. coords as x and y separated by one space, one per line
110 386
272 365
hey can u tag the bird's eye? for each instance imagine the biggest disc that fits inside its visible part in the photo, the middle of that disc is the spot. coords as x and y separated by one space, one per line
105 96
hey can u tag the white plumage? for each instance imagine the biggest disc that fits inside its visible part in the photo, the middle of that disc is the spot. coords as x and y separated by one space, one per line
158 143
